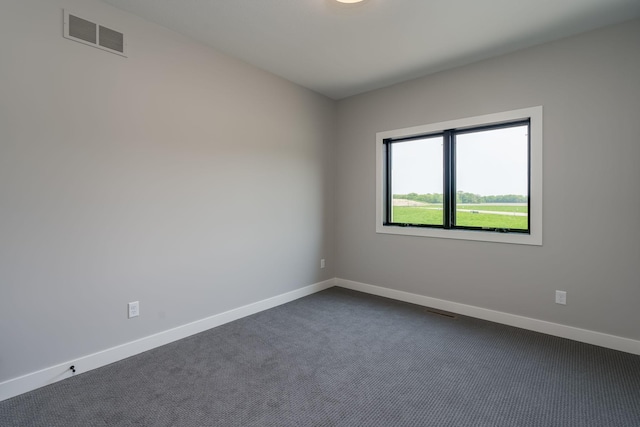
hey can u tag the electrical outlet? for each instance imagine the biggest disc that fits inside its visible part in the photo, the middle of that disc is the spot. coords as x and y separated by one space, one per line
134 309
561 297
322 263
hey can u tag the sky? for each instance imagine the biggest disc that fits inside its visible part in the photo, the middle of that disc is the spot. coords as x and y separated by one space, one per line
492 162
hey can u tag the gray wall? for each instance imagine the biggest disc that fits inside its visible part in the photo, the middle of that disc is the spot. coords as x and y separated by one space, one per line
178 177
590 89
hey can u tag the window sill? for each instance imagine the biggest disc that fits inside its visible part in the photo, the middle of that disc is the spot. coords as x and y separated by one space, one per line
534 239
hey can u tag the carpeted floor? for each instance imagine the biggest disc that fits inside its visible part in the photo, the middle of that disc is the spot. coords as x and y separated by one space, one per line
342 358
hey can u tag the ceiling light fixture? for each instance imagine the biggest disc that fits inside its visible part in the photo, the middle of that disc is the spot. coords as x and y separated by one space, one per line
349 1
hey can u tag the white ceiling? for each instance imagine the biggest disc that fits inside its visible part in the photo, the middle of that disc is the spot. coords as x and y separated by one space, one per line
342 50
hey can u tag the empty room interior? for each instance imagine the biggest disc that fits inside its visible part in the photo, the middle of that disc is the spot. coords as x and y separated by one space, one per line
256 213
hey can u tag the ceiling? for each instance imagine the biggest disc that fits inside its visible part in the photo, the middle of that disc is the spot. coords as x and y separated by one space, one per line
342 50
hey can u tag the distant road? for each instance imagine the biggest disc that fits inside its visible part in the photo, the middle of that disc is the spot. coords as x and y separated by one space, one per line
494 212
413 203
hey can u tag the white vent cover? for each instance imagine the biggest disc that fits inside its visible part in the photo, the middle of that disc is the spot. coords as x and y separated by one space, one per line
92 34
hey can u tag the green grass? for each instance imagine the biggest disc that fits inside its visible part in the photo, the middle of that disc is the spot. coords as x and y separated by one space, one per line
469 219
417 215
430 216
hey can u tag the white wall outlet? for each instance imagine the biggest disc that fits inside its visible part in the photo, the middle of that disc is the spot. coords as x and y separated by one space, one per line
134 309
322 263
561 297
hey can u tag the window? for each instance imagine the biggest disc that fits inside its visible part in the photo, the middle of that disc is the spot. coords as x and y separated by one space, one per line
478 178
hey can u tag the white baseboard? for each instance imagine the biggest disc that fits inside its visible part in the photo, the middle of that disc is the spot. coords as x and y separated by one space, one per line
555 329
52 374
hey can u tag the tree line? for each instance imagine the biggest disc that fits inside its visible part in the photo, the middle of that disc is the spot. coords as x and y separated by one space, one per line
462 197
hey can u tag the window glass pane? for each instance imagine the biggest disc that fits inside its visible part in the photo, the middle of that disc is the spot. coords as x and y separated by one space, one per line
416 181
492 178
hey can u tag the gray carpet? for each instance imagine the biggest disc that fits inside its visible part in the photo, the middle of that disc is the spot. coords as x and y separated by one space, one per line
342 358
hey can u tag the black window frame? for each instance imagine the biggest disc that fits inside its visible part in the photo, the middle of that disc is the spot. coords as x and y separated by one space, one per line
449 172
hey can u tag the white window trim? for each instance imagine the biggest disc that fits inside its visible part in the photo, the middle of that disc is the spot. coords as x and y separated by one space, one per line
535 209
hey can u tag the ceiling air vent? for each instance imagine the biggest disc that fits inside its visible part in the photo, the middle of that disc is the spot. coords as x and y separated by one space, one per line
92 34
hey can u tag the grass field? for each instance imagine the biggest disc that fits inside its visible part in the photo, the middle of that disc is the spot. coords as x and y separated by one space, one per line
432 215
